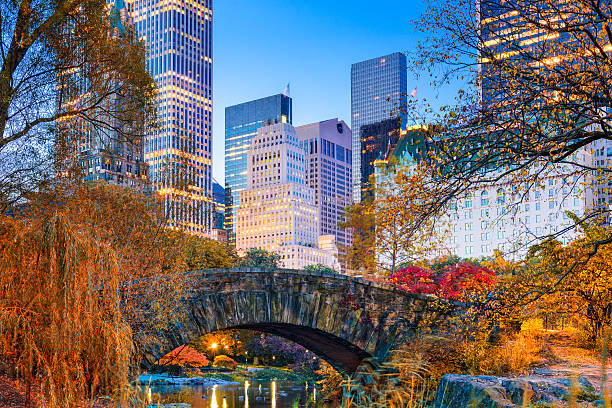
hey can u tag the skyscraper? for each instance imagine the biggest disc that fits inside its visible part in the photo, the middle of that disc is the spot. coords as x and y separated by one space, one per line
241 124
113 151
329 173
178 36
277 210
378 91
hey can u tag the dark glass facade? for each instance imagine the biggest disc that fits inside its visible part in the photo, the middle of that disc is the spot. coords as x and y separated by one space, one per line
219 200
376 139
241 124
378 91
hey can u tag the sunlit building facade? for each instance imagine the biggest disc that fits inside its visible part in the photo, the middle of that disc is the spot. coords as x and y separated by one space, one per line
178 36
241 124
378 92
277 210
327 145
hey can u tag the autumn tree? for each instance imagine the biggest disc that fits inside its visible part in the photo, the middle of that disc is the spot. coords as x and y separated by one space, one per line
319 268
568 280
48 51
89 277
360 255
531 85
400 238
184 356
222 341
260 258
203 253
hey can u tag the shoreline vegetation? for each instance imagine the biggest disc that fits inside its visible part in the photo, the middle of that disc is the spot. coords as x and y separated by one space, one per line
237 376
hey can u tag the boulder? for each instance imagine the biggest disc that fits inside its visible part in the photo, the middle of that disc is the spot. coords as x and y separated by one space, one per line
460 391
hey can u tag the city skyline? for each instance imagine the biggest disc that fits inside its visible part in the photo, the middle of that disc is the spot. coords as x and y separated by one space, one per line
319 74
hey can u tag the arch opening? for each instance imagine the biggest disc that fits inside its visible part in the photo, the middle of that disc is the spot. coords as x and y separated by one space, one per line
339 353
343 356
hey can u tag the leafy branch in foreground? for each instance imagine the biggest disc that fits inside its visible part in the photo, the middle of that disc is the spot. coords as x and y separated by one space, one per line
534 100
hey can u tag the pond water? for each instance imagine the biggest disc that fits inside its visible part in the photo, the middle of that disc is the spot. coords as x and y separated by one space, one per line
250 394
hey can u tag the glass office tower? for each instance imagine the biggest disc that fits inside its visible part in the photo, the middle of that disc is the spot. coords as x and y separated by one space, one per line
378 91
178 36
241 124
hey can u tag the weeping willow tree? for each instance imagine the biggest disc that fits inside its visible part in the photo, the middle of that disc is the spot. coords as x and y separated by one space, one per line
60 313
90 277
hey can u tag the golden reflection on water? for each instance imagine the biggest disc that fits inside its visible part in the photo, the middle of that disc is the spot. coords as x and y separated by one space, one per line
246 394
213 398
273 394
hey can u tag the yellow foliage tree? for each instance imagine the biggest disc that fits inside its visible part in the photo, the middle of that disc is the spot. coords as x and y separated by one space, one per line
566 280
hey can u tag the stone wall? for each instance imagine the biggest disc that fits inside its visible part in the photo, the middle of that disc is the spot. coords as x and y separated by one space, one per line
343 319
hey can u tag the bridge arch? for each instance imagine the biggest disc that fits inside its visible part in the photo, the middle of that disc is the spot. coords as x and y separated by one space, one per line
342 319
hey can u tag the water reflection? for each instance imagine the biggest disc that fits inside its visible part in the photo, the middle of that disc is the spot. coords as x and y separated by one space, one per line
274 394
213 399
246 394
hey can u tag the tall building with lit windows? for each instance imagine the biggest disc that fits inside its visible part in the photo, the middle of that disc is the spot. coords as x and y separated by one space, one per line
277 210
178 36
329 173
378 91
509 37
241 124
113 151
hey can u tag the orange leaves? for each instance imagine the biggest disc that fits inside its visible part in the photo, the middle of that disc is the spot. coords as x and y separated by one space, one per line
60 315
185 356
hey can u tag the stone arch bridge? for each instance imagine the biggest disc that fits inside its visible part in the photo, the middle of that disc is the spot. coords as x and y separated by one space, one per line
342 319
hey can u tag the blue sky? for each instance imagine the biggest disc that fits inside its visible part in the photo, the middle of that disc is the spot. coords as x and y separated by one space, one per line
261 45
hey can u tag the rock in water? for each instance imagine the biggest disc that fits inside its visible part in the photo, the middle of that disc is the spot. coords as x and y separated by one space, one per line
460 391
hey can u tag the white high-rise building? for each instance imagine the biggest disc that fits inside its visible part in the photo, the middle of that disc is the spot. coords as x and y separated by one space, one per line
277 211
510 215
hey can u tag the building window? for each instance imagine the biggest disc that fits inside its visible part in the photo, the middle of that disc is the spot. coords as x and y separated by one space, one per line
501 198
484 198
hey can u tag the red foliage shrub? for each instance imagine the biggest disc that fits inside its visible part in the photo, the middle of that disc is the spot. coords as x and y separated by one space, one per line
415 279
465 280
457 282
